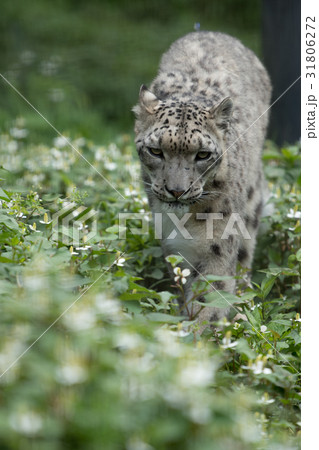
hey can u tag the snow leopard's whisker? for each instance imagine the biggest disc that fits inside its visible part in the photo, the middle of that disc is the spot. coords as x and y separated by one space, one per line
212 194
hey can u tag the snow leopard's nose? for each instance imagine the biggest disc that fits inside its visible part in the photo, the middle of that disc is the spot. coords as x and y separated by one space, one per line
176 194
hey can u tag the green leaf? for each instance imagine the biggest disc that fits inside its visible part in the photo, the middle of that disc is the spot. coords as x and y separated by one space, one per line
50 197
212 278
251 319
115 229
157 274
9 222
248 296
166 296
243 348
267 285
130 296
139 288
120 285
282 322
3 259
166 318
278 327
298 255
295 336
272 271
3 195
174 259
282 345
220 299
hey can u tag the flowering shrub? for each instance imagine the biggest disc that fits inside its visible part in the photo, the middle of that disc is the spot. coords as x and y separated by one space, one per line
95 352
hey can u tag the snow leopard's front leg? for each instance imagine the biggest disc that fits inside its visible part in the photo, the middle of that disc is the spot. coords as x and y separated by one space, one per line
219 258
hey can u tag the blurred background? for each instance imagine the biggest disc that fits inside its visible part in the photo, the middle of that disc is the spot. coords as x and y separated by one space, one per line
81 63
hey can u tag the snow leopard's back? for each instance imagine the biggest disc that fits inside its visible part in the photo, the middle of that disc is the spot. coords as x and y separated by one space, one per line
208 66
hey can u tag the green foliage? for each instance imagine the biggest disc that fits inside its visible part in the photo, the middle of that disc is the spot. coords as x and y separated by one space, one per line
81 63
95 352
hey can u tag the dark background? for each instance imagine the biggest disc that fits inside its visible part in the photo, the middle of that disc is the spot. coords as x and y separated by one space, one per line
81 63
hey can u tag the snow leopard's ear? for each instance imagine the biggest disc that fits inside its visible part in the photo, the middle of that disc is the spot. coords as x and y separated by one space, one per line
221 114
147 99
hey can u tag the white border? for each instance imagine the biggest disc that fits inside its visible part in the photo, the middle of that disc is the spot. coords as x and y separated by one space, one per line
309 238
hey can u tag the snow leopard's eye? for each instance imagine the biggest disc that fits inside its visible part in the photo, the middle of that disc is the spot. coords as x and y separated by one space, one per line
203 155
155 152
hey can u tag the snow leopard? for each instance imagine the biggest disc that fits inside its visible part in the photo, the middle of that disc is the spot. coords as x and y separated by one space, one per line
199 133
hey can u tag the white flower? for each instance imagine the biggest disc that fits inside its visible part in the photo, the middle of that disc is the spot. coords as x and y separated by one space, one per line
181 274
100 154
265 400
19 133
223 322
80 319
255 306
294 214
226 342
10 350
86 247
56 95
110 165
180 333
140 364
81 226
49 67
71 250
128 341
28 423
129 191
79 142
147 217
197 373
107 306
71 374
263 329
89 182
35 282
27 57
168 342
34 227
60 142
258 366
12 146
36 179
199 413
45 220
120 262
113 150
137 444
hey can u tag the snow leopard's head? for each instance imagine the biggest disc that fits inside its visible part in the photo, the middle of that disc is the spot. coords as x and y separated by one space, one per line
180 146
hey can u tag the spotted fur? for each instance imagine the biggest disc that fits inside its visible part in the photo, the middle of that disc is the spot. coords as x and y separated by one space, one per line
200 129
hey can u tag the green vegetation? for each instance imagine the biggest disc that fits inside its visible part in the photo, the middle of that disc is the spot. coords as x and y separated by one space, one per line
94 351
81 63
